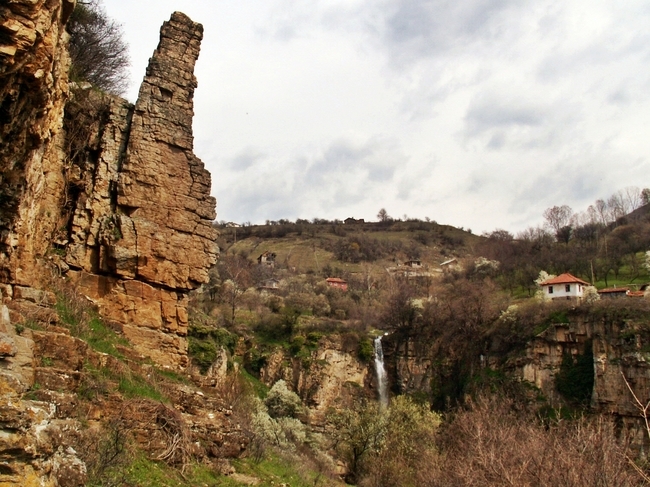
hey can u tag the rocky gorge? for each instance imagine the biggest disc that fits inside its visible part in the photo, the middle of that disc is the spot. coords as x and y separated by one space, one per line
106 226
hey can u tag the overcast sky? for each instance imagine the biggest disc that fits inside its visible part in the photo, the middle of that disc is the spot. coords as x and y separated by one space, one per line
474 113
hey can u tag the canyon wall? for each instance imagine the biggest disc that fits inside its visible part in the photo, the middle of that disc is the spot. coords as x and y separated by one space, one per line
33 91
104 193
109 198
612 342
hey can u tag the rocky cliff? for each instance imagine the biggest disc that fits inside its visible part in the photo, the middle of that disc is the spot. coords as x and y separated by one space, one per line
141 233
108 198
617 349
330 377
107 194
33 91
593 349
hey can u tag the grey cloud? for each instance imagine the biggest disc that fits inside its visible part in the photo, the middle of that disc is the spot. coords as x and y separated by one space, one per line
247 158
567 182
507 121
488 113
343 175
375 160
298 19
417 28
263 195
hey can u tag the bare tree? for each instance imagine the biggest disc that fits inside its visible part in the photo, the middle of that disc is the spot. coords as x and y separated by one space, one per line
633 197
383 215
645 196
97 48
235 273
603 210
558 217
495 442
618 205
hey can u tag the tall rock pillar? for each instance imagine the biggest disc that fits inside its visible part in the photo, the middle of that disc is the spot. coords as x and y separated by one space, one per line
163 188
158 242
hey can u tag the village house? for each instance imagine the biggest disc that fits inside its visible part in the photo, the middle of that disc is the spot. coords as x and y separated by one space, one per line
564 286
351 220
337 283
621 292
613 292
267 258
269 285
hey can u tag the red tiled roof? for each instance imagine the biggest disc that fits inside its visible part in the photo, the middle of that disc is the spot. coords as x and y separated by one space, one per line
636 294
565 278
336 279
614 290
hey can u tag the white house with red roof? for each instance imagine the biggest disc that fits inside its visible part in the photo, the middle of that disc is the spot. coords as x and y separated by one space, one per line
337 282
564 286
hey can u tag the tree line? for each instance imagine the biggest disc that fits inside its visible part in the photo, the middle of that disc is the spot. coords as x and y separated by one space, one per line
595 244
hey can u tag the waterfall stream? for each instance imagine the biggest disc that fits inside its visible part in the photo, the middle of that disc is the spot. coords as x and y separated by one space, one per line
382 383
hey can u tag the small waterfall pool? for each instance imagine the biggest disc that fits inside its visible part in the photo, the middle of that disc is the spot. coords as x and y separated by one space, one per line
382 383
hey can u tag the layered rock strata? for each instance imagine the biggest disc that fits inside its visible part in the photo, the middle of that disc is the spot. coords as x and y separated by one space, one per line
619 349
141 235
33 90
59 400
111 195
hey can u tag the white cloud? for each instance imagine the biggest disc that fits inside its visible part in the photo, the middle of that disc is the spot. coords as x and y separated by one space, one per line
479 113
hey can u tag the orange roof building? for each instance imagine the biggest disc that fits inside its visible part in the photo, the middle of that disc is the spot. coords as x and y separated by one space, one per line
564 286
337 283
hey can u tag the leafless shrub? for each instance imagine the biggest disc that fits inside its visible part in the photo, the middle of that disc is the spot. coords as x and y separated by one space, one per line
106 451
496 443
97 48
179 437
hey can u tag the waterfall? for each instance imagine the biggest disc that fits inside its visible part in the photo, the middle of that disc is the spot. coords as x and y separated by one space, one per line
382 383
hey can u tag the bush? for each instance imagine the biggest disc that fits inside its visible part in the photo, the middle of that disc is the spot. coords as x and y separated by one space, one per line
205 340
366 350
281 402
497 442
203 352
575 379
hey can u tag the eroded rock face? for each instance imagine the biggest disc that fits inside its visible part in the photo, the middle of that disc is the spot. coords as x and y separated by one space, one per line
332 377
110 195
163 188
33 90
141 234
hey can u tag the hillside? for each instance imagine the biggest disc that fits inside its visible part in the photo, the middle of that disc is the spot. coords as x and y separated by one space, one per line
308 248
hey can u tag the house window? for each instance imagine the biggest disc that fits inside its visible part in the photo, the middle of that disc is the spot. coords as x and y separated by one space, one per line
550 289
567 288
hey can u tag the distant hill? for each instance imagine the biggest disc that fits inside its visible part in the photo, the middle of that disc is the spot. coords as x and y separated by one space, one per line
340 248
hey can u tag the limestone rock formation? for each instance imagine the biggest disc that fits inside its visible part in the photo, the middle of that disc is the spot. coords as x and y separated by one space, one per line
163 188
332 377
110 195
33 90
58 400
141 233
